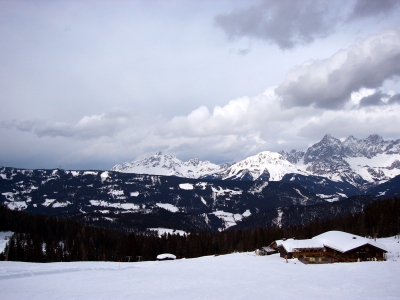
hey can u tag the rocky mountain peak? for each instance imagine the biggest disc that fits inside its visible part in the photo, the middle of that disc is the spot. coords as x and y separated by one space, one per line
374 139
328 147
330 140
293 156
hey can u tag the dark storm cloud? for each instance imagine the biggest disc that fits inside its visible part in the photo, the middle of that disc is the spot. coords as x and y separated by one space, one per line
368 8
289 23
373 100
379 98
286 23
329 83
395 99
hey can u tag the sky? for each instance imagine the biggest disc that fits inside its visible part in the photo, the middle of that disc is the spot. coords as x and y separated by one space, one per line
90 84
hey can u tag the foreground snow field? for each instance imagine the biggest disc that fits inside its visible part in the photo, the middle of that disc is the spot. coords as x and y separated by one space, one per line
233 276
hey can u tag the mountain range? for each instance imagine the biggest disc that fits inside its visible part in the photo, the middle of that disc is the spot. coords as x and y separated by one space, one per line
329 179
360 163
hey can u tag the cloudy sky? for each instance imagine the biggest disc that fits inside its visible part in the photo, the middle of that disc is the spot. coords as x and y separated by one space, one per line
89 84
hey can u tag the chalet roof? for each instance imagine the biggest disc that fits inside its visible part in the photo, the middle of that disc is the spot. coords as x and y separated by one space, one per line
343 241
337 240
291 245
280 242
268 249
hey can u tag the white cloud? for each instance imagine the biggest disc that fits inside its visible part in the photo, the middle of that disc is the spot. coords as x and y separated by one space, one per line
329 83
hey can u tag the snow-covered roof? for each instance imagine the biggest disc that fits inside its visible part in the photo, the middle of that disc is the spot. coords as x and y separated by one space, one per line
166 255
280 242
343 241
337 240
291 245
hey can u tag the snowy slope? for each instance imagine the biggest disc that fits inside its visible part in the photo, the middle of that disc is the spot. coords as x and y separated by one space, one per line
266 165
233 276
164 164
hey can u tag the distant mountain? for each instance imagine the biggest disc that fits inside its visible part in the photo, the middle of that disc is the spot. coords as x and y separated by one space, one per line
360 163
145 201
128 202
169 165
265 166
163 191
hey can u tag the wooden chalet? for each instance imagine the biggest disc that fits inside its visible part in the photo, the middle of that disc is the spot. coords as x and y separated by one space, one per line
331 246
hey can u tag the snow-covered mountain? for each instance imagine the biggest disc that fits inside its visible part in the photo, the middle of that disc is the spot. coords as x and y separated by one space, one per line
126 201
266 166
107 198
169 165
360 162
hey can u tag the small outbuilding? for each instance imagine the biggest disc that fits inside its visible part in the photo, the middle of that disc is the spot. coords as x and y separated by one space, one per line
266 251
166 256
331 246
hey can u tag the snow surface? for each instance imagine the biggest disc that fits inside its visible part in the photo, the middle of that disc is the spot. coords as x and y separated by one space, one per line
90 173
221 192
47 202
246 213
61 204
126 206
4 235
168 206
104 175
166 255
162 231
233 276
273 162
380 160
186 186
230 219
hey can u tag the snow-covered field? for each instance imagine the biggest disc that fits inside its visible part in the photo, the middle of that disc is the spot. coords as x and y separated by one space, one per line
233 276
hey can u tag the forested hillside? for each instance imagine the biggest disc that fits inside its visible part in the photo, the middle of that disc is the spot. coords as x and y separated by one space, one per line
47 239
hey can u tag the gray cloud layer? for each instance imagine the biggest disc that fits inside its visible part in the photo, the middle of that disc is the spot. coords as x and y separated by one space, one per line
379 98
329 83
89 127
289 23
368 8
181 88
286 22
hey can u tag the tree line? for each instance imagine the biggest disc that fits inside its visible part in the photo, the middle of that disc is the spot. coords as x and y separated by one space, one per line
39 238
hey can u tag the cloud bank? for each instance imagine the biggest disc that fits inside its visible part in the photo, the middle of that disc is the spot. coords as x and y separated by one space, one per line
329 83
182 88
88 127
